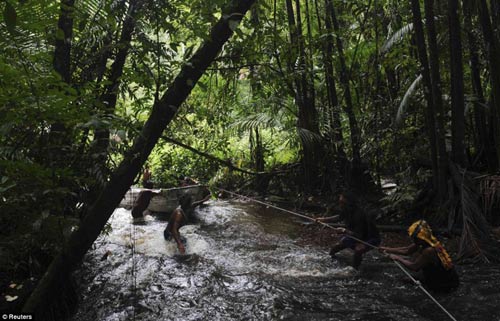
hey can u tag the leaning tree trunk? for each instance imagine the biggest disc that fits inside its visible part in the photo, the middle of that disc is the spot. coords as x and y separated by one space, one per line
162 113
422 53
457 86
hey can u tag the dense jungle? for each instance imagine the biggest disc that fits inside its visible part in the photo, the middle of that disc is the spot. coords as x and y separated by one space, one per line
274 106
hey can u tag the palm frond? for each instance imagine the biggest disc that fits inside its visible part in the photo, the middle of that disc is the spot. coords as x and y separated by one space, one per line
406 98
30 29
308 137
396 37
256 121
475 242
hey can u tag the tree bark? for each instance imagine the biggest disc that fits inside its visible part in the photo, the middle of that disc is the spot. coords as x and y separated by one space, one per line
162 113
109 96
344 79
442 158
493 52
335 127
307 114
457 86
428 92
58 136
223 162
481 144
64 36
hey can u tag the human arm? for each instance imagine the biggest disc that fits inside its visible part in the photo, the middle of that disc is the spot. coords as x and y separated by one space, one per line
404 250
328 219
206 198
421 261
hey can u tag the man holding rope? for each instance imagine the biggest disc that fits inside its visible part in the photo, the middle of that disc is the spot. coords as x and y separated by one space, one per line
359 225
438 272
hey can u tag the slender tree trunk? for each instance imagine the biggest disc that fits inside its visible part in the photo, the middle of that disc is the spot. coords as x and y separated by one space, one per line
344 78
310 60
58 137
333 101
256 146
335 167
377 95
110 94
437 98
163 112
493 51
442 156
64 35
482 147
428 92
257 150
307 115
457 86
495 16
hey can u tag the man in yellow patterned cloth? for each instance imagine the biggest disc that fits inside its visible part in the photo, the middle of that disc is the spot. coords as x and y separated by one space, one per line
431 258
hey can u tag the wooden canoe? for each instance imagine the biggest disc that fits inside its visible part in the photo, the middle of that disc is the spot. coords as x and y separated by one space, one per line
167 200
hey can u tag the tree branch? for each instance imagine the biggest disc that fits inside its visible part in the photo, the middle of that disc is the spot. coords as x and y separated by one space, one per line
224 162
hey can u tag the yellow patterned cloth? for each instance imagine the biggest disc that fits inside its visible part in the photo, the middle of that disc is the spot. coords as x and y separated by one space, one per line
423 231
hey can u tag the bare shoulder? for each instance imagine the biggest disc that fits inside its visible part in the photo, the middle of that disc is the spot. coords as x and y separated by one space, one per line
177 214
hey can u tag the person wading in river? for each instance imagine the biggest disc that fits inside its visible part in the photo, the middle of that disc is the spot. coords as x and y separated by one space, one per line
358 224
145 196
438 272
142 202
146 178
180 217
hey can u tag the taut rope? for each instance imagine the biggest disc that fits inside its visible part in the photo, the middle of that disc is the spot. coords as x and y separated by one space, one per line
354 238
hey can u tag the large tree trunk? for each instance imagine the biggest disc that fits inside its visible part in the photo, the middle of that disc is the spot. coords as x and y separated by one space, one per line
422 53
162 113
457 86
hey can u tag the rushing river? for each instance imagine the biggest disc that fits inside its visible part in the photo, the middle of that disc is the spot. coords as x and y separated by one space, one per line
243 262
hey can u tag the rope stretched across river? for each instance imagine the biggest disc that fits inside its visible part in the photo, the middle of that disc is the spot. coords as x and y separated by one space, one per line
352 237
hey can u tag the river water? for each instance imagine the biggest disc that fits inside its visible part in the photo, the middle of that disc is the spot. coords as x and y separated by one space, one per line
244 262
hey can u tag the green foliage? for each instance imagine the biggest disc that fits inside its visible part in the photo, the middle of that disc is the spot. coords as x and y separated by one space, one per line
245 109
